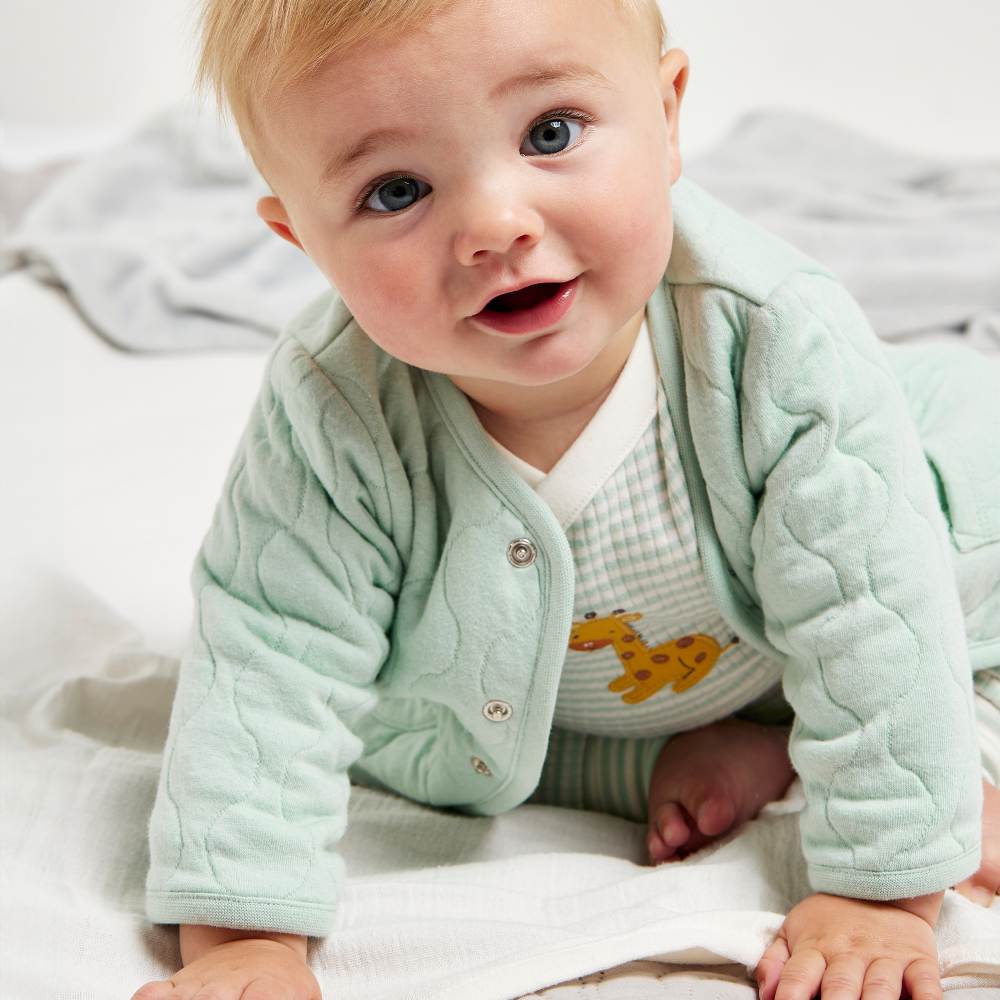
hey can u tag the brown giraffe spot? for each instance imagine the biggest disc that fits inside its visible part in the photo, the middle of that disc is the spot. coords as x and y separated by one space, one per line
628 638
685 642
628 654
642 675
660 657
699 658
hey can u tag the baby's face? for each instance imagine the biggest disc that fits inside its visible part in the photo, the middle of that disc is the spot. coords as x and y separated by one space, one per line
477 187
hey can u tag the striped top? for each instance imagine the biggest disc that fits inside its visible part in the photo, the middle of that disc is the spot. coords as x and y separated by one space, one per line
649 654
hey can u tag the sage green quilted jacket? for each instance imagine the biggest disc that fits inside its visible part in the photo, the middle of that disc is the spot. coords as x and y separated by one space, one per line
379 596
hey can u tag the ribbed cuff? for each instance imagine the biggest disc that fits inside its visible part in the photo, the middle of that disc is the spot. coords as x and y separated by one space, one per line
245 913
885 885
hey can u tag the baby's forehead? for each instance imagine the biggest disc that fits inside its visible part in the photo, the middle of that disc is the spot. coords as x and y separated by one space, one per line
488 55
469 48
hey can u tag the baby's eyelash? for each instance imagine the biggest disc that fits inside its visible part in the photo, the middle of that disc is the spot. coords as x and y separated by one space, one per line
580 116
572 113
374 186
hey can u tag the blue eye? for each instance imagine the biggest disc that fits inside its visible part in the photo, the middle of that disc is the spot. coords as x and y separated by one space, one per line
553 135
395 194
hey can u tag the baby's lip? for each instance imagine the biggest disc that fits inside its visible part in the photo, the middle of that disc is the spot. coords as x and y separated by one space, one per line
516 288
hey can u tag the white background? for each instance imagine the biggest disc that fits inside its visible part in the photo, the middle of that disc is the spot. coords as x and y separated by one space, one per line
925 76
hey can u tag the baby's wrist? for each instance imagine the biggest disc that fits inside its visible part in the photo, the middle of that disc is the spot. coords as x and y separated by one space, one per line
927 907
197 939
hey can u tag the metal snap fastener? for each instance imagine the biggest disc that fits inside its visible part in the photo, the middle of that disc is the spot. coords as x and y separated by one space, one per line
521 552
497 711
481 766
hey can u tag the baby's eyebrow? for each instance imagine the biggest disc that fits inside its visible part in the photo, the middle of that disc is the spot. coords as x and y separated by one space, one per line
345 160
566 72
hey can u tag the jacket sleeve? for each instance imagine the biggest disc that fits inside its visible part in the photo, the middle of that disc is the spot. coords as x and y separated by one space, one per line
853 569
605 774
292 600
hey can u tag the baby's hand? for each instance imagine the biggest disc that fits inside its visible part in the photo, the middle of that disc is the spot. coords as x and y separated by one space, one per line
852 949
247 969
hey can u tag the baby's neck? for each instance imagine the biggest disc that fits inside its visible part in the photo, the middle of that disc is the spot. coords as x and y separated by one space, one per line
540 443
538 428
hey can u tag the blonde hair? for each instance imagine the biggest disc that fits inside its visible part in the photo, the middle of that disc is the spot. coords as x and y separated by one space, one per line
253 49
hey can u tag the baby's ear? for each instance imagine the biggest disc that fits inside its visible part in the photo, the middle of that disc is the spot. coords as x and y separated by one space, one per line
273 213
674 69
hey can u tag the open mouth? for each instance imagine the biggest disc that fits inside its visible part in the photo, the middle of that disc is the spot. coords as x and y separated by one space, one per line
530 310
525 298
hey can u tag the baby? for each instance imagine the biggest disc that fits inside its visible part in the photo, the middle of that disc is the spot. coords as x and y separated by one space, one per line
578 490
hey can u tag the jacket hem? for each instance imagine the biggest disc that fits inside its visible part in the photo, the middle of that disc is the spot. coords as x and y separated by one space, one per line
885 885
245 913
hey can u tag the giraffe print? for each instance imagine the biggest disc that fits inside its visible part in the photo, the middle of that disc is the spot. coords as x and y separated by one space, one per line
682 662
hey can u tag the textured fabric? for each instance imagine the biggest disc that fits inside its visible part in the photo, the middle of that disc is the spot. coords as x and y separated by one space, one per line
381 598
656 630
437 906
665 659
634 545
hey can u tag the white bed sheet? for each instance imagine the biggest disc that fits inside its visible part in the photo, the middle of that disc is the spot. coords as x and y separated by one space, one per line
114 465
114 460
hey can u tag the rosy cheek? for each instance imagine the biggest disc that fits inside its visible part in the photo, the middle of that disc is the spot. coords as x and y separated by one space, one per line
388 317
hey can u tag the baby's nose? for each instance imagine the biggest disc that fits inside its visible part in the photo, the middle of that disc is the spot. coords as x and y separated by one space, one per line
497 230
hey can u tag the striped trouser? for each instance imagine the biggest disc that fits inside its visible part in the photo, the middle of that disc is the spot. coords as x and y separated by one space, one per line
612 774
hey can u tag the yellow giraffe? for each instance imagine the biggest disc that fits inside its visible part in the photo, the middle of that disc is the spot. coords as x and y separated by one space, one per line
684 661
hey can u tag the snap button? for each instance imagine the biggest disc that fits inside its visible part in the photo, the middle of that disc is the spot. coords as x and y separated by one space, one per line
481 766
497 711
521 552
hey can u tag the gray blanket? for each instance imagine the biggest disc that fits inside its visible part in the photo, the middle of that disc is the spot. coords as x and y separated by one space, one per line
158 243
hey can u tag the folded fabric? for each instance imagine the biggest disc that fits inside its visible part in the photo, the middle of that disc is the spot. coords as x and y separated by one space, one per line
438 905
915 240
158 242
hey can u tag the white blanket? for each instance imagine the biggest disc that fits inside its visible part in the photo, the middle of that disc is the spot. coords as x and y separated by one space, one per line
438 905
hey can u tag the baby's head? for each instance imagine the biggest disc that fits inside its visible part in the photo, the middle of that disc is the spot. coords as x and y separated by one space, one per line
520 141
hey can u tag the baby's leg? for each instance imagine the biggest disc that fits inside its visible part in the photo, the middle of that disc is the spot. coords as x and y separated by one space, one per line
711 779
984 886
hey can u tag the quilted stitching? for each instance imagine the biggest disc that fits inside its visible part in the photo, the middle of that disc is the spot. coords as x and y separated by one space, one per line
848 517
279 637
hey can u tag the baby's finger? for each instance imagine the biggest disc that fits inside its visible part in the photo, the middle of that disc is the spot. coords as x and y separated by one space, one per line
671 825
883 979
655 848
977 893
768 970
843 978
923 980
801 976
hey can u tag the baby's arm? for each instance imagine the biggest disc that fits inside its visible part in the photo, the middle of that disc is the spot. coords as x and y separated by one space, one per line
844 947
852 570
851 565
242 965
294 591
